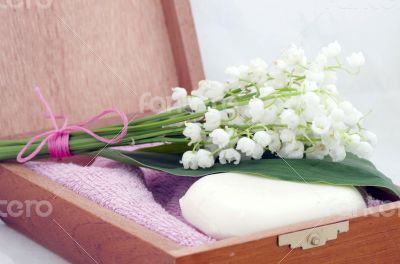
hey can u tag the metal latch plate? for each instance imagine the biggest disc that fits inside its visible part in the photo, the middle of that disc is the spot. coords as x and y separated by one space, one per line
313 237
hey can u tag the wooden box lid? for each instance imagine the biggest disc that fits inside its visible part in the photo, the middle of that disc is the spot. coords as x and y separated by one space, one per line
89 55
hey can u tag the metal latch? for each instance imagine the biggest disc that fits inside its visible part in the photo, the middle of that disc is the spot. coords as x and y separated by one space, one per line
313 237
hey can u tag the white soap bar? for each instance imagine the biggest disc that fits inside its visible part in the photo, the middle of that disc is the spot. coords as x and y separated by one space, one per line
232 204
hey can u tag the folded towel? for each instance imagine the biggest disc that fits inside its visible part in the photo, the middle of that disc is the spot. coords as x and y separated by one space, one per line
148 197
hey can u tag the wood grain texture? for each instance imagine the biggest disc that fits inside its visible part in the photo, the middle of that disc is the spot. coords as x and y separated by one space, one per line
374 237
90 55
78 229
184 42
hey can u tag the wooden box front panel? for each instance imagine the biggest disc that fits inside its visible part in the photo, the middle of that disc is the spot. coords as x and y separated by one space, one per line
373 237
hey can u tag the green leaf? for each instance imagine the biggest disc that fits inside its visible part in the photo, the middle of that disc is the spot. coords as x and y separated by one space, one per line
175 148
353 171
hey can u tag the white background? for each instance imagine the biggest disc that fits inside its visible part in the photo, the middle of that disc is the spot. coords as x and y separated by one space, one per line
233 32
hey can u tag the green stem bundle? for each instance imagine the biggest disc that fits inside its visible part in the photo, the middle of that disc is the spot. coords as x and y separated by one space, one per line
165 127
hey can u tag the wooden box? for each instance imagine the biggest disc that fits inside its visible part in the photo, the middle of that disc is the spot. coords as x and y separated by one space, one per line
89 55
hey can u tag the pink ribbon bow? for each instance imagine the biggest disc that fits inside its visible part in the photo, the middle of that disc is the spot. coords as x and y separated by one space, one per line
58 138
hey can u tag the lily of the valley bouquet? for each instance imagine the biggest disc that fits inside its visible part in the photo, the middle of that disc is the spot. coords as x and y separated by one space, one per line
285 120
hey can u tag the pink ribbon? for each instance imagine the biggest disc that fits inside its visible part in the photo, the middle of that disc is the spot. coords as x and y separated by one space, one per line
58 138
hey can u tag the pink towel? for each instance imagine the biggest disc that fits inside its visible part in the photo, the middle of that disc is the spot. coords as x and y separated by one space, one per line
148 197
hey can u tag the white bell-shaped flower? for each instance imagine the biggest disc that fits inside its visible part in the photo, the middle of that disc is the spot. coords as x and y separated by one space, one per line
356 60
262 138
332 50
193 131
189 160
290 118
229 155
179 95
256 110
197 104
258 151
321 125
220 137
205 158
213 119
246 145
